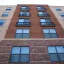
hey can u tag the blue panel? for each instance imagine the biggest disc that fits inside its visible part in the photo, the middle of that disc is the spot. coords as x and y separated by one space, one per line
54 57
25 35
15 50
1 22
19 31
51 49
60 49
14 58
52 31
25 30
61 57
46 30
24 58
24 50
21 20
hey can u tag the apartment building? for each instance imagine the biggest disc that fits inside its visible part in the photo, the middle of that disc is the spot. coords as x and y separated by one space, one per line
59 13
6 13
34 36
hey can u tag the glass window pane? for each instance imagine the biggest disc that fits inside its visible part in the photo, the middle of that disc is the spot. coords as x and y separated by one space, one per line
61 57
25 35
21 20
62 14
26 20
19 31
47 35
43 23
54 57
58 9
46 30
23 8
25 30
24 50
1 22
21 13
15 50
24 58
54 35
39 8
47 20
18 35
14 58
52 31
40 13
8 8
6 13
51 49
60 49
42 20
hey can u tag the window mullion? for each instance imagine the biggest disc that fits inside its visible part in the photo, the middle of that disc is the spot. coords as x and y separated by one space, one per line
50 33
20 55
22 33
57 53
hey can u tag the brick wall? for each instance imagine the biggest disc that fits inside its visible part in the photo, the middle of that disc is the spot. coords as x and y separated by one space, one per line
35 28
38 50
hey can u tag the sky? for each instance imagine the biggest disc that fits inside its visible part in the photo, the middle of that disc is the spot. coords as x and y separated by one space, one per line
49 2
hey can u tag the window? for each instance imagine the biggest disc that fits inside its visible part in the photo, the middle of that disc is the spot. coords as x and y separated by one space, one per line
24 14
19 54
62 14
43 14
58 9
9 8
24 8
5 14
46 22
56 53
23 22
50 33
1 22
40 8
22 33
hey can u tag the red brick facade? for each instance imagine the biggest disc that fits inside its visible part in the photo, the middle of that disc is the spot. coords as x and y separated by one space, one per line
35 28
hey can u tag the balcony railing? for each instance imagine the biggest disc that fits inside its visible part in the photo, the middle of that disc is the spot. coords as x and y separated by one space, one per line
43 9
44 15
48 24
19 24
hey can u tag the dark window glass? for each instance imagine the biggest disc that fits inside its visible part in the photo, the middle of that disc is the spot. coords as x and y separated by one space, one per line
23 22
5 14
61 57
56 53
22 33
14 58
9 8
58 9
50 33
40 8
24 14
45 22
62 14
24 8
1 22
19 54
43 14
54 57
24 58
